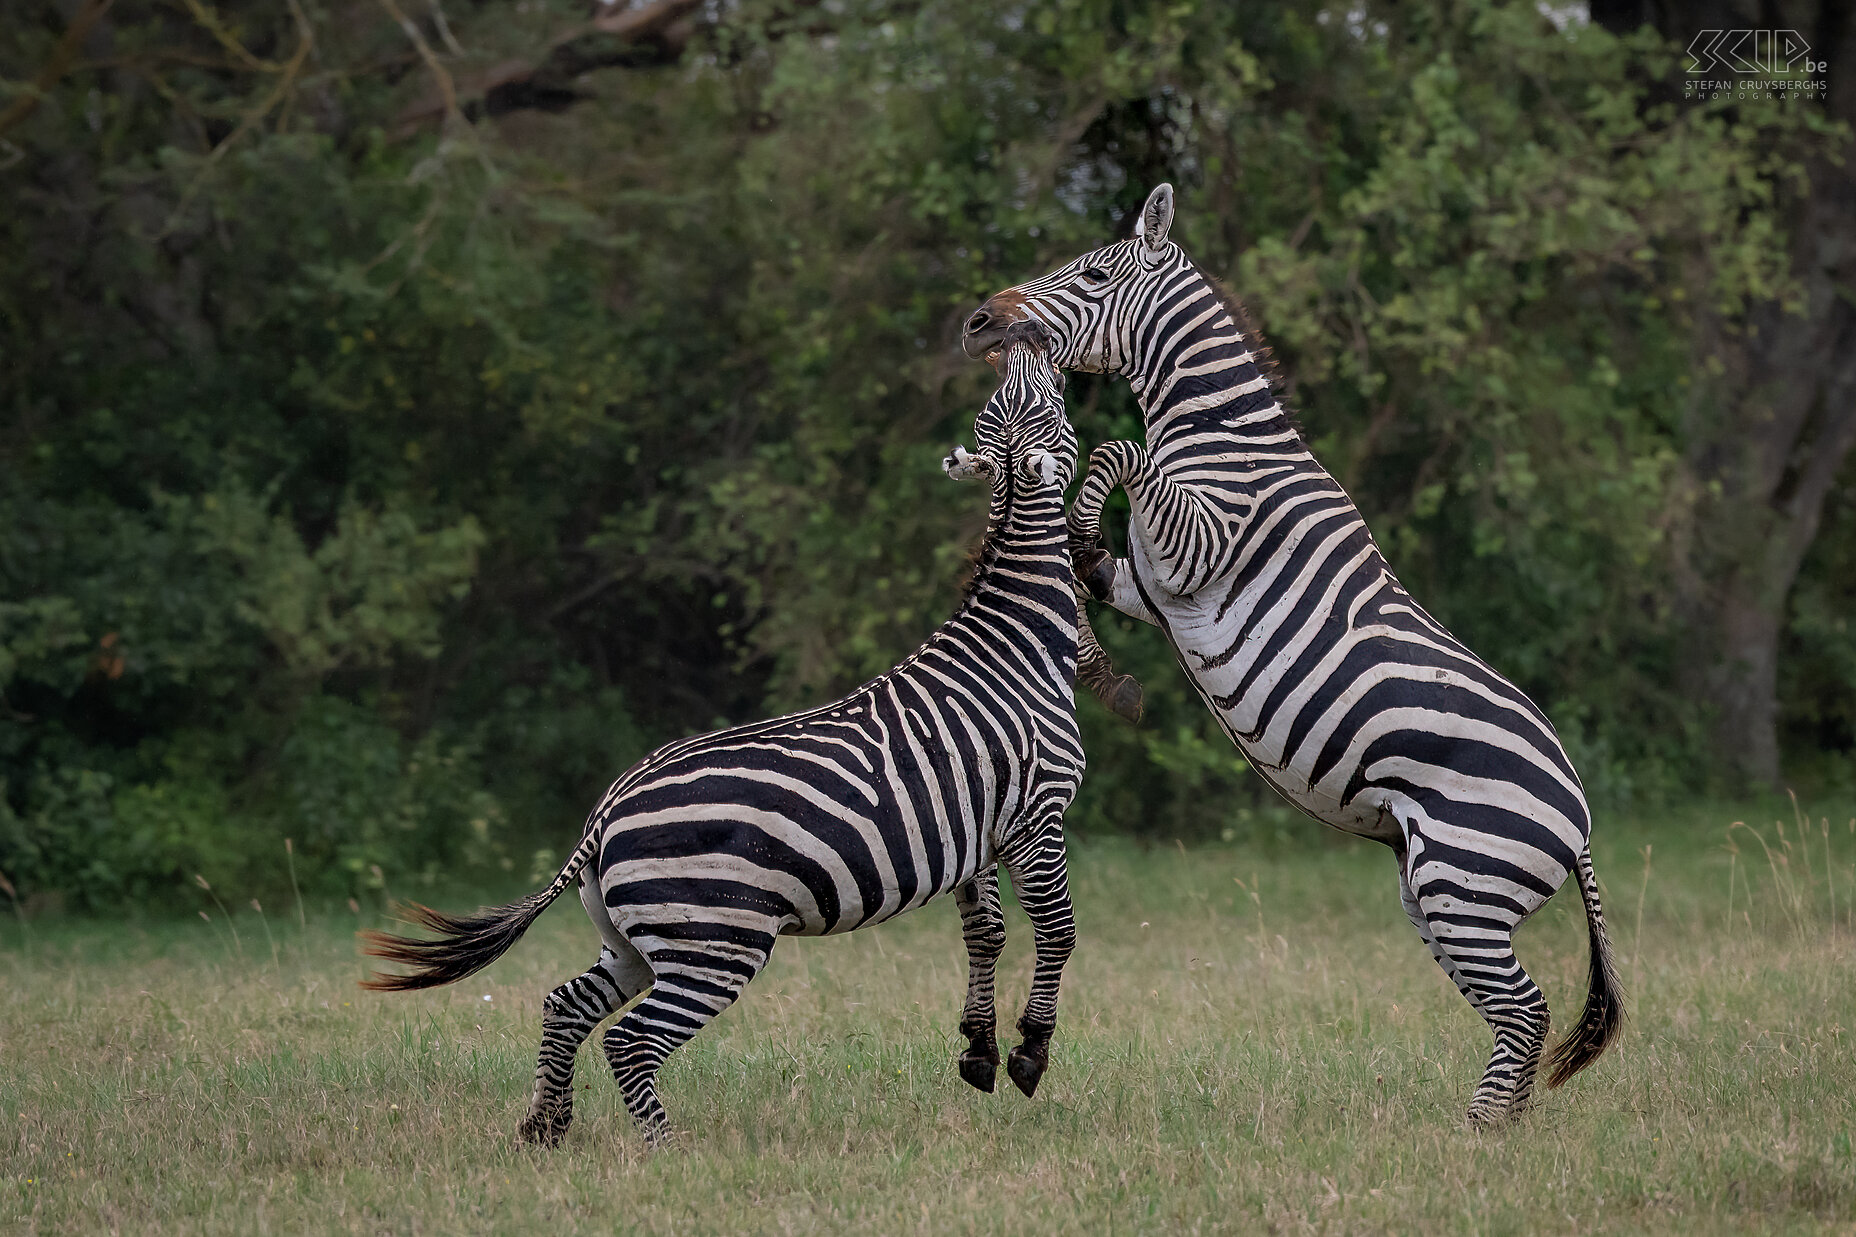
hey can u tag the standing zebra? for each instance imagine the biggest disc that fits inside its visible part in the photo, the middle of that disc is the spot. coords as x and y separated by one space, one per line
1339 689
963 757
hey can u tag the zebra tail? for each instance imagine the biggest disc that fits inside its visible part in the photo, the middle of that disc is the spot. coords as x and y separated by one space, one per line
465 943
1604 1001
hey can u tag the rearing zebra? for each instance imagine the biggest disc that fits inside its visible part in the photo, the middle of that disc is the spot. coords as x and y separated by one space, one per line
1341 691
963 757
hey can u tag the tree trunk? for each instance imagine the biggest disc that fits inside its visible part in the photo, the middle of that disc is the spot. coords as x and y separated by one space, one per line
1775 413
1739 674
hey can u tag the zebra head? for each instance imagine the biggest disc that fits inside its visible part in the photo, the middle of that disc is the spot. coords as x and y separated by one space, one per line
1092 307
1023 424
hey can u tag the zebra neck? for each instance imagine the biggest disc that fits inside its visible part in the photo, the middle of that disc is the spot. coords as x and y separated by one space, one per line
1025 556
1199 376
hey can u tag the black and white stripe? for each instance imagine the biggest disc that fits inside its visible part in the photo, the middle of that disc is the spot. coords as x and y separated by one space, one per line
920 783
1340 690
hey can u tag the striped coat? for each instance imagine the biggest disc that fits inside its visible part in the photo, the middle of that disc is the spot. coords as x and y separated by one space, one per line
1350 700
920 783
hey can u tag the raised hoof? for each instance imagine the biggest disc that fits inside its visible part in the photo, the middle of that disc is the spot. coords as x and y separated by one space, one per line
1124 698
978 1072
1096 570
1025 1069
547 1128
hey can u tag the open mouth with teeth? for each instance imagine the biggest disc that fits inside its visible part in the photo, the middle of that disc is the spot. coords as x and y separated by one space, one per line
983 333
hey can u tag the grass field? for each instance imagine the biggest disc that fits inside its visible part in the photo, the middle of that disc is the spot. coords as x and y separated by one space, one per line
1253 1039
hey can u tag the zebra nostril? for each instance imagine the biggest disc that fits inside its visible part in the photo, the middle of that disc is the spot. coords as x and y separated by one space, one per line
979 321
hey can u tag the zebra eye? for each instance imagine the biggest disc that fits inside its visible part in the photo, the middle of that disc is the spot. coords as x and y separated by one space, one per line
1095 275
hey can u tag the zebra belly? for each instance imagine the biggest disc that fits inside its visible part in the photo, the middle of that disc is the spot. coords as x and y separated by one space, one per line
731 890
1360 723
1193 629
768 852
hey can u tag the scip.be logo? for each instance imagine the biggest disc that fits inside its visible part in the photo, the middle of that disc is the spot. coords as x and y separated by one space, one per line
1752 51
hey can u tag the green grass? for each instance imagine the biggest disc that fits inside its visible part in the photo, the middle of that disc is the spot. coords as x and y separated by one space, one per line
1252 1039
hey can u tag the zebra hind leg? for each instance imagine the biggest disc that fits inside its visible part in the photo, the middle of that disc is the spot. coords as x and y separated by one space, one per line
982 927
1038 868
1474 944
1517 1013
696 979
1416 914
568 1016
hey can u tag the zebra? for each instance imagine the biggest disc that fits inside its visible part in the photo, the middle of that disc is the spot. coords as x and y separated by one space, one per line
1342 693
925 780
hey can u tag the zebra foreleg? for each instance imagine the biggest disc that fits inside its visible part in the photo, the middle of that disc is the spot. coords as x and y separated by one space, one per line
982 927
1189 543
1096 568
1039 875
1120 694
568 1016
694 981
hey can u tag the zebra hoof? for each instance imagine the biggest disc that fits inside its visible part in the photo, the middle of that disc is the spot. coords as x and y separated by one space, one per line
978 1071
548 1127
1125 698
1486 1116
1026 1069
1096 570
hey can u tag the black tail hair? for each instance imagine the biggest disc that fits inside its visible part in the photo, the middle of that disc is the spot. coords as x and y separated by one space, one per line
465 943
1603 1016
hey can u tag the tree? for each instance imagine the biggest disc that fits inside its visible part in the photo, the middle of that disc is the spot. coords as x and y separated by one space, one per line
1772 418
415 410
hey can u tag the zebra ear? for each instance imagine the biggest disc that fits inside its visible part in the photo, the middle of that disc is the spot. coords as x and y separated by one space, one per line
1156 218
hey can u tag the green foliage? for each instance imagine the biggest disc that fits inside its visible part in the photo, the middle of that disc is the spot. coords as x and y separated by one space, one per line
372 589
389 489
354 800
1490 324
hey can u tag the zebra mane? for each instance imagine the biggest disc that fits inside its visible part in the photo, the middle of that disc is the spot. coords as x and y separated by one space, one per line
982 556
1265 355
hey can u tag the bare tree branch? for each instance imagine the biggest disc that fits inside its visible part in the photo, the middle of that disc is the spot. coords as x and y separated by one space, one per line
305 40
447 91
54 69
652 35
209 20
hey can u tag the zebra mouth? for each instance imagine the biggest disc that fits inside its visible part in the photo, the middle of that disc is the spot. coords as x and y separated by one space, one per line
1026 334
987 344
983 333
